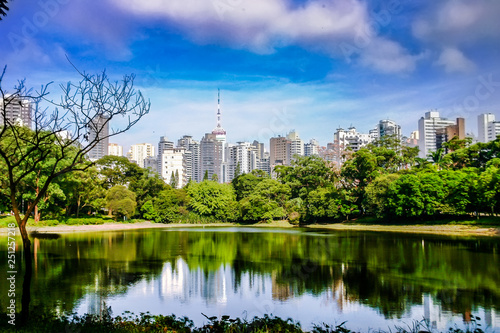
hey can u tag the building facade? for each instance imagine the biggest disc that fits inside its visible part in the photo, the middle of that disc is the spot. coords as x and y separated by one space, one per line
429 127
488 127
173 167
115 149
139 152
15 111
99 131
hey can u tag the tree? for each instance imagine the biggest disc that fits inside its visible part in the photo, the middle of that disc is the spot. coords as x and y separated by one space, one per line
267 201
120 201
245 184
210 198
205 176
173 181
215 178
3 8
64 136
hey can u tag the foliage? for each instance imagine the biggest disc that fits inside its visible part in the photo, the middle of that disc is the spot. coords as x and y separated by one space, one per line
210 198
266 202
120 201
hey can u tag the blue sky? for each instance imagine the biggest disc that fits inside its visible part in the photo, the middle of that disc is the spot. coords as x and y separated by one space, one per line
306 65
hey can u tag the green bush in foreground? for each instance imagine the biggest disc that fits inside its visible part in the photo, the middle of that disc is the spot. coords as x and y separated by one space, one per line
145 322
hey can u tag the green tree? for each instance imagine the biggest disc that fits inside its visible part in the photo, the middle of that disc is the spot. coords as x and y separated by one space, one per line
205 176
244 184
377 194
120 201
267 201
63 136
210 198
147 187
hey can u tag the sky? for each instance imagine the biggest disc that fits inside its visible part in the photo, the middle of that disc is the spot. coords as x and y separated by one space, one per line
281 65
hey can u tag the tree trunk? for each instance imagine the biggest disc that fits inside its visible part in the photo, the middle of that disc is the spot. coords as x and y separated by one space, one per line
37 215
28 269
28 273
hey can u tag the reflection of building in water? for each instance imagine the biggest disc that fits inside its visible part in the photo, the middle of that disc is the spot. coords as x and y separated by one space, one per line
440 320
96 300
181 283
281 291
492 318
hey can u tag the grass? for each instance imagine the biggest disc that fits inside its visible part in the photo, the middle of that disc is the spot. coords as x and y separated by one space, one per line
483 221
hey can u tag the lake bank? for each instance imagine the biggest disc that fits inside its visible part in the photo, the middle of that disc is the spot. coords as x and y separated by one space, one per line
437 229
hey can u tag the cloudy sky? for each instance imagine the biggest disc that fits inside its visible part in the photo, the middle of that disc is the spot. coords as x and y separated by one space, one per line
306 65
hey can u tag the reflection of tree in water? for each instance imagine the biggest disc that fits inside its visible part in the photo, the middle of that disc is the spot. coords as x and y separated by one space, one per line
382 271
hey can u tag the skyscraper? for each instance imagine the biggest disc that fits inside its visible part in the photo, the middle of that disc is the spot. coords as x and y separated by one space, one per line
99 131
15 111
192 157
212 150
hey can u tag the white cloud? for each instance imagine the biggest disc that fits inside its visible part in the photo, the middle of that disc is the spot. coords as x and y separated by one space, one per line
262 26
453 60
389 57
455 22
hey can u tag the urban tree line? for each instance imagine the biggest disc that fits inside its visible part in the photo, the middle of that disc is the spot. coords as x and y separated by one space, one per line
383 179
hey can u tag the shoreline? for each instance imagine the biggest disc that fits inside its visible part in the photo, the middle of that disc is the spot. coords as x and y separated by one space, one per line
437 229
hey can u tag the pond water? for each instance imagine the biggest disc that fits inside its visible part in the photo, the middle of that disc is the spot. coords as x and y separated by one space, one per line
370 280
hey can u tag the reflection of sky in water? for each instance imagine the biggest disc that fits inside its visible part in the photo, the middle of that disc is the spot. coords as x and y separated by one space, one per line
190 293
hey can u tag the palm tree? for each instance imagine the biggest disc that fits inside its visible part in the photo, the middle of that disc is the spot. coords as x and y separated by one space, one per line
437 156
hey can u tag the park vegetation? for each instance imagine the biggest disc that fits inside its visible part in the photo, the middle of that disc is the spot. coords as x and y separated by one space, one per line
385 180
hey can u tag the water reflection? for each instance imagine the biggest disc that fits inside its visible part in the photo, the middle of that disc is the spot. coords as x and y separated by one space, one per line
368 279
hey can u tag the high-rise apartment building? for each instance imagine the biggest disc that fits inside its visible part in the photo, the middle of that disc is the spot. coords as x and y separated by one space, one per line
139 152
389 128
15 111
488 127
311 148
351 139
428 127
279 151
99 131
241 158
296 144
164 144
173 166
115 149
193 167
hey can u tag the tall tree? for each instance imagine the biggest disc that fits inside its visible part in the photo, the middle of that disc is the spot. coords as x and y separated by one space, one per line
65 135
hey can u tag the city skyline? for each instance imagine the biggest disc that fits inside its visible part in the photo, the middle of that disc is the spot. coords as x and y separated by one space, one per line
281 65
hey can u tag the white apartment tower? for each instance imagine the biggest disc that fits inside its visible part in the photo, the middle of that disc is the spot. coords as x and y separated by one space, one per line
427 128
139 152
389 128
296 144
311 148
488 128
15 111
99 131
115 149
192 157
172 163
242 156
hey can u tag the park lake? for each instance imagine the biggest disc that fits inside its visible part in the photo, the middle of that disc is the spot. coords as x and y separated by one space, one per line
368 279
